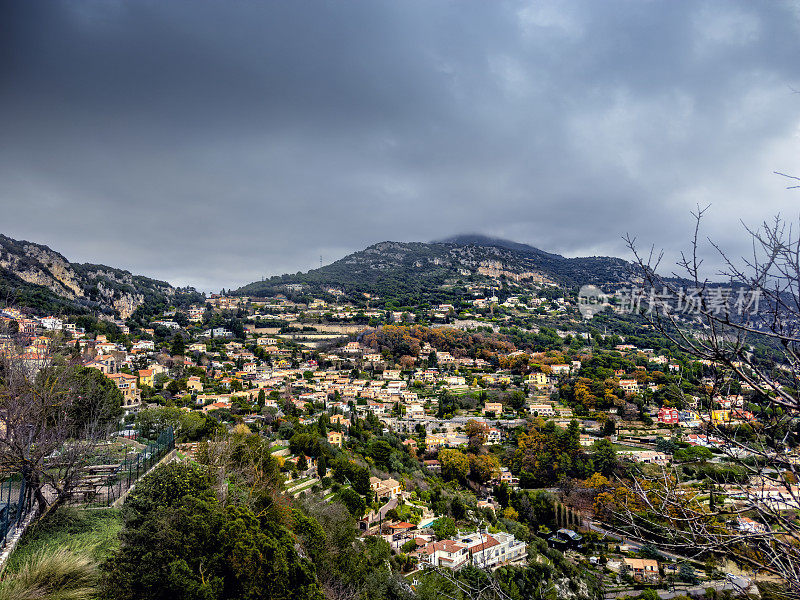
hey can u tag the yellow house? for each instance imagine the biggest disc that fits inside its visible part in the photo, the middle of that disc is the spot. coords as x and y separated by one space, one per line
386 488
432 442
493 407
131 395
538 379
335 438
339 419
720 416
194 384
146 377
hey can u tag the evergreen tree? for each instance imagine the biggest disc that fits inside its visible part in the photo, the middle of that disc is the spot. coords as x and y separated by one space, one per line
605 457
322 466
178 346
712 505
573 441
181 543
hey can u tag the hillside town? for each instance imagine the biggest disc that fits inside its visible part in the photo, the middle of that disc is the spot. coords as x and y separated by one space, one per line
417 300
458 434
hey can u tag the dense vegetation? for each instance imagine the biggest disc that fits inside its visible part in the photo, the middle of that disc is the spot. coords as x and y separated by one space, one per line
181 542
414 272
398 341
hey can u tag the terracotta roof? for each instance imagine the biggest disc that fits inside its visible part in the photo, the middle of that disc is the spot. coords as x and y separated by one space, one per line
120 376
444 545
489 543
642 563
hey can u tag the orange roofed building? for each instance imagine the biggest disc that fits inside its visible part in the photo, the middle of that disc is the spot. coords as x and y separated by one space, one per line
131 394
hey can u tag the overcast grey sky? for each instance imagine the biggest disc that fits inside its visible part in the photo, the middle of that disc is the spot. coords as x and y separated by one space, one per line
212 143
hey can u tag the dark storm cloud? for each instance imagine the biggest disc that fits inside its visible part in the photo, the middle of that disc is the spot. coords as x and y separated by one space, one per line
211 143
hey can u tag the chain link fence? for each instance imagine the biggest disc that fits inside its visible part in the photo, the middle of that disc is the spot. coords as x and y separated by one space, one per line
14 506
104 484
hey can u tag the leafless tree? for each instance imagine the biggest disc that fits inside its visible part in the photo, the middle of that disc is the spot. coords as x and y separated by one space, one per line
746 332
42 436
335 589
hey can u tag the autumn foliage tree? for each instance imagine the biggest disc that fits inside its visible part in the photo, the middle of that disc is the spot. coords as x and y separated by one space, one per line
477 433
455 464
401 340
545 453
483 467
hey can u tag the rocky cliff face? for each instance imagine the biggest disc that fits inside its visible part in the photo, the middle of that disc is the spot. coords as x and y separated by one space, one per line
40 266
91 286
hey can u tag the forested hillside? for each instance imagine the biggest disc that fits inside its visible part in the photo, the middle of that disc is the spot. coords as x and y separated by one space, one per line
415 271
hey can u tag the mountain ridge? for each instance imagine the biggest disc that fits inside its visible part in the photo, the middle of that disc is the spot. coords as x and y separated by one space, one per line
479 239
414 269
36 276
